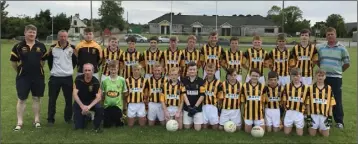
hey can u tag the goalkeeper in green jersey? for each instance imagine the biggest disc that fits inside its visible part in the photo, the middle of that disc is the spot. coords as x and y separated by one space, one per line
113 88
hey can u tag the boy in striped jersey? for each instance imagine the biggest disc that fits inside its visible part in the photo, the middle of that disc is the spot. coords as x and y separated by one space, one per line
233 58
172 99
190 54
173 57
294 100
320 103
155 85
304 56
273 101
252 95
136 96
211 53
212 89
130 57
255 57
152 56
230 97
277 60
111 53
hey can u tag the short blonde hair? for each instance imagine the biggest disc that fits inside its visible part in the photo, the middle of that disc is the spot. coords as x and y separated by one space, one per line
256 37
330 29
30 27
210 66
174 69
320 71
113 64
157 65
113 38
137 66
191 37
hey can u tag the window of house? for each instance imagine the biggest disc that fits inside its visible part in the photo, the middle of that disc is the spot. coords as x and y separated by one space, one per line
77 30
74 22
269 30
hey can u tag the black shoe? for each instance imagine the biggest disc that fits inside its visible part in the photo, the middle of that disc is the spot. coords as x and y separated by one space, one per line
50 124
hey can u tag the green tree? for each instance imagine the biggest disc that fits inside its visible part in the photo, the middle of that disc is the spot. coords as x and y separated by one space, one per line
44 23
321 27
337 21
111 15
61 22
3 16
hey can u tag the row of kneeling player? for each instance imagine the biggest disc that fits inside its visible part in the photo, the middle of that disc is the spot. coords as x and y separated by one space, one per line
208 101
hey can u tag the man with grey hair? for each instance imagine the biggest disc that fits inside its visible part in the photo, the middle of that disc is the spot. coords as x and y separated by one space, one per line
27 59
61 62
87 96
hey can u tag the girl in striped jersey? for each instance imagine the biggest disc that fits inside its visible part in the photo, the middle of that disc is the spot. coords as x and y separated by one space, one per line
273 101
109 54
320 103
172 99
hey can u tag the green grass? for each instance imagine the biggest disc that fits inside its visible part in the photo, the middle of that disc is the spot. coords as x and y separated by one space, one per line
63 133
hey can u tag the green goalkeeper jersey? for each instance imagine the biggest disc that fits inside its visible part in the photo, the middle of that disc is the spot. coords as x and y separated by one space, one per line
113 91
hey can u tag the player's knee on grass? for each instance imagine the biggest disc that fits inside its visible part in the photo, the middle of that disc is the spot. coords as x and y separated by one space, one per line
325 133
312 131
299 131
197 127
287 130
248 128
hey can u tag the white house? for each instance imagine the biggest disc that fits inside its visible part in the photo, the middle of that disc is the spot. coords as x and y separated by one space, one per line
76 26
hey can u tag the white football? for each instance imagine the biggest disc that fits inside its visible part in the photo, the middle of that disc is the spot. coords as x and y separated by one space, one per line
172 125
257 131
230 126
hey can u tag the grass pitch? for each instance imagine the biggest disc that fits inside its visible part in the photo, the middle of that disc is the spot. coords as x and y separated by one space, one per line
63 133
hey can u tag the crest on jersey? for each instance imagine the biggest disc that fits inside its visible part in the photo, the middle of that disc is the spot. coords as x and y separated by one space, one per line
90 88
93 51
24 49
38 49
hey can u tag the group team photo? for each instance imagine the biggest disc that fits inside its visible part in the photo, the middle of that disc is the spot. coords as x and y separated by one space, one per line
192 87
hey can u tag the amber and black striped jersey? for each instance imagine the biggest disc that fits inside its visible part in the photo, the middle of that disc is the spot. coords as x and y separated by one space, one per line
273 96
233 60
88 52
172 59
172 94
108 56
155 88
256 59
211 54
321 100
129 59
193 56
304 58
136 89
294 98
254 99
231 95
150 58
279 60
212 91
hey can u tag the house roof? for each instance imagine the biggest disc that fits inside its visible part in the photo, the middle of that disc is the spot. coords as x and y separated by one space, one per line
350 26
235 21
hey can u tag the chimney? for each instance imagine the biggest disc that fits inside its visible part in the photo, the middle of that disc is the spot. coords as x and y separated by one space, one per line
77 15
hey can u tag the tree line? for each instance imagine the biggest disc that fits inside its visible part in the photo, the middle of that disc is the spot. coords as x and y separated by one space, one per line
111 16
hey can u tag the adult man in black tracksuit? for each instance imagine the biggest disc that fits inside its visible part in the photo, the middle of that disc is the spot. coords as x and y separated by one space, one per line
61 61
193 97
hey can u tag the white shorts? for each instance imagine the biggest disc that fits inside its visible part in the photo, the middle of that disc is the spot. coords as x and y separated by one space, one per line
239 78
217 74
210 113
294 117
319 122
148 76
261 79
233 115
172 110
306 80
136 110
196 119
272 117
95 75
283 80
260 122
155 110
